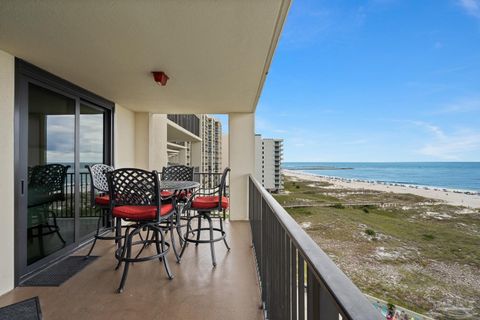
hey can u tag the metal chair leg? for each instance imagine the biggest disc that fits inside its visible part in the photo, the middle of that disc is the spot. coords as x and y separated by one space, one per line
225 238
212 247
56 227
165 262
95 237
199 228
128 244
127 233
172 237
185 243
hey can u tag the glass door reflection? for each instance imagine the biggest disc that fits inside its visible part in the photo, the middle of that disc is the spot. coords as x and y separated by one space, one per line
92 146
51 185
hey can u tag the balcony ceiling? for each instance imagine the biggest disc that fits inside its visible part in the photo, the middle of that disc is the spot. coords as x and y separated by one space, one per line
216 53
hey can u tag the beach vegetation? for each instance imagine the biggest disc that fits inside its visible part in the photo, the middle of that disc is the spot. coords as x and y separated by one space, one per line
428 248
428 236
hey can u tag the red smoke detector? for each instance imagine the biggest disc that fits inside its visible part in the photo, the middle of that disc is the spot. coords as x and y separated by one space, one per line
160 77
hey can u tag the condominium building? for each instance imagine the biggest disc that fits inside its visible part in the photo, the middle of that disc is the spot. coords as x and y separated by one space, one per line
183 133
195 140
73 93
211 150
268 158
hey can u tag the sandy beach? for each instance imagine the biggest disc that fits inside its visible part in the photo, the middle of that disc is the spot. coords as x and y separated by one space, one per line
453 197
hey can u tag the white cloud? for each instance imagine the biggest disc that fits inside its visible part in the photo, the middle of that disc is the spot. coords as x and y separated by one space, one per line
451 146
472 7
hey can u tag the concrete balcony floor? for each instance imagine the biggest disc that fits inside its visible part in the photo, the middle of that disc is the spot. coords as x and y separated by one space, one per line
230 291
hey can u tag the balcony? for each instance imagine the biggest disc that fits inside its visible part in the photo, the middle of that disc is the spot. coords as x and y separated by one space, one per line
189 122
284 272
199 57
197 291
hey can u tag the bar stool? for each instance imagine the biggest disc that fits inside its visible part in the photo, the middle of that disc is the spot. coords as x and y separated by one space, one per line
100 200
205 204
135 198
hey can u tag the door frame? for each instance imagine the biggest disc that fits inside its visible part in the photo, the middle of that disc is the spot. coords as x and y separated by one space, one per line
26 73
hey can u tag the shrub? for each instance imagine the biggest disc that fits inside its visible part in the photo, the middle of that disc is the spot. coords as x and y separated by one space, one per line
338 206
298 187
365 210
370 232
428 236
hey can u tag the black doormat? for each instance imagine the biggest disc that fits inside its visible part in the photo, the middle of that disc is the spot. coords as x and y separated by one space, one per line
24 310
60 272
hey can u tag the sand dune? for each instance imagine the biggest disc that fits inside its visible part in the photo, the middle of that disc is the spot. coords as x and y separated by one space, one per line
452 197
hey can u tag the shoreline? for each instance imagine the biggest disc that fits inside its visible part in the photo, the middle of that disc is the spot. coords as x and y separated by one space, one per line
453 197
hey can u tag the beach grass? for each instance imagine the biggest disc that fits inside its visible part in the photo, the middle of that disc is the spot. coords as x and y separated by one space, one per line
416 252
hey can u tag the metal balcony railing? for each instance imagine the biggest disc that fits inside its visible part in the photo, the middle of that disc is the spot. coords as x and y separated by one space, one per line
297 279
65 208
189 122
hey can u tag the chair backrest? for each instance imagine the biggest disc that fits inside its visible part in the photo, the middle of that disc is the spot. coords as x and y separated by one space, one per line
223 184
98 177
133 187
49 178
177 173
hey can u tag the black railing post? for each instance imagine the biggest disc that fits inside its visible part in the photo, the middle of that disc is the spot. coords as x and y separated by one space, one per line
287 257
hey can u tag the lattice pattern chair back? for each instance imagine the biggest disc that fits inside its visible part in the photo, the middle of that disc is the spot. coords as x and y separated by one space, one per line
133 187
177 173
98 176
223 184
49 178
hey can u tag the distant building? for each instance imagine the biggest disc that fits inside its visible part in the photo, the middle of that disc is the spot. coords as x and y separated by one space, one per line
211 151
183 132
195 140
268 159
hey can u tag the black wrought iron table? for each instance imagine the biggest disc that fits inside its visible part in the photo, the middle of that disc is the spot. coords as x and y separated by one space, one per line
178 185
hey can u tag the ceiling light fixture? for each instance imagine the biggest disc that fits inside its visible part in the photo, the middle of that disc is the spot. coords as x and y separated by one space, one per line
160 77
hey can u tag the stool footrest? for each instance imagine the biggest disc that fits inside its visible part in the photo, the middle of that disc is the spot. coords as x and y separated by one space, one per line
223 235
118 252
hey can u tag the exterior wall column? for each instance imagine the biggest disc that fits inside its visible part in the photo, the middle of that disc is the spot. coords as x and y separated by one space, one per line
158 157
150 141
142 140
196 155
241 142
7 100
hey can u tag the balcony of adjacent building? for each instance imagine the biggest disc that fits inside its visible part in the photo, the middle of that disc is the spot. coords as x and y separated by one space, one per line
91 84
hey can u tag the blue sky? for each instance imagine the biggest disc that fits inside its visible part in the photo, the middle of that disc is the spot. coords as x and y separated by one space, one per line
379 80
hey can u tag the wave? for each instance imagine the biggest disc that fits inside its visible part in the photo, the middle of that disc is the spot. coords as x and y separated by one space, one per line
316 168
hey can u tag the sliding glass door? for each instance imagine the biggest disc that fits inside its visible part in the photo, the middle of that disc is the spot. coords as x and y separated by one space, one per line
92 149
51 164
60 129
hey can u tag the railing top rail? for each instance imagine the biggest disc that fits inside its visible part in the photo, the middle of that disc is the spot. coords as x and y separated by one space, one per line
349 298
209 173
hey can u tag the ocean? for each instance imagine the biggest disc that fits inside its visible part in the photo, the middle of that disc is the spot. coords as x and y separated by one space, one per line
449 175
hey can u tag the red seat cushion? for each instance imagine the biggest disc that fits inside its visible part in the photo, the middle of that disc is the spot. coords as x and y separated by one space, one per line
103 200
210 202
141 212
166 194
182 194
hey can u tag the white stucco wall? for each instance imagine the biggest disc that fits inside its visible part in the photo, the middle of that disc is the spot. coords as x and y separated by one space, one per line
158 142
242 161
124 136
140 139
7 84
